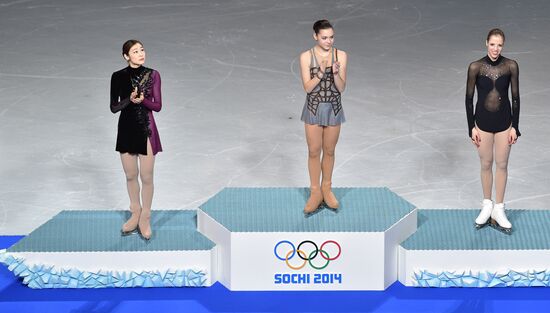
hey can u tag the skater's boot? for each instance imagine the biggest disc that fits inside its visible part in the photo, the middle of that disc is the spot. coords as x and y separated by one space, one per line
132 223
144 225
314 201
499 220
486 210
328 196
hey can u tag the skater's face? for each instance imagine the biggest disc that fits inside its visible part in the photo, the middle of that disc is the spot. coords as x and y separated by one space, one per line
325 38
136 55
494 46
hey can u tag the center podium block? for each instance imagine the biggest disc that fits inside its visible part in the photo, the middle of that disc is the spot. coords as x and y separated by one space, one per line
265 242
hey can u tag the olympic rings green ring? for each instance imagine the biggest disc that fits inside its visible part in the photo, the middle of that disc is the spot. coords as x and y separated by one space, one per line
323 252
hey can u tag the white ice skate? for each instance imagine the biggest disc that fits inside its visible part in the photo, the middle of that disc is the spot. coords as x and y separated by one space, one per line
486 210
499 220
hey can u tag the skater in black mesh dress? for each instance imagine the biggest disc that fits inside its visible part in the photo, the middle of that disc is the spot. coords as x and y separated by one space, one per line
493 127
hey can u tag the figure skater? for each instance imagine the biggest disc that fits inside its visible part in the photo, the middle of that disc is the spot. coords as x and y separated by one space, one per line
494 126
135 92
323 70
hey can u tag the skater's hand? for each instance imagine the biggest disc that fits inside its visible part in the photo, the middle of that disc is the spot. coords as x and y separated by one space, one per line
140 99
134 95
135 98
336 67
476 137
512 136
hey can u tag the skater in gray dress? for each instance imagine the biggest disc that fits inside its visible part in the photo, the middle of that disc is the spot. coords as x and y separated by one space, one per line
323 70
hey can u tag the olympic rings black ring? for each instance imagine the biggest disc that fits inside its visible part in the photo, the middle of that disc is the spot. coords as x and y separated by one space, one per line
314 253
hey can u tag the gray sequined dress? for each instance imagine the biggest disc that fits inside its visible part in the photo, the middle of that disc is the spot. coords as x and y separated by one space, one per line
323 104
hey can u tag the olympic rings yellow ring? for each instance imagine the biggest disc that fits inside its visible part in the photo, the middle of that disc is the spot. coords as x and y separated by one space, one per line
296 267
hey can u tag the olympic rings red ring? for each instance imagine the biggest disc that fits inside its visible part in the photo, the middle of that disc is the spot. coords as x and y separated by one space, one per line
339 250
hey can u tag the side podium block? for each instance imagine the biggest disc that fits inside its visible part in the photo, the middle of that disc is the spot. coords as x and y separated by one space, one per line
84 249
447 251
265 242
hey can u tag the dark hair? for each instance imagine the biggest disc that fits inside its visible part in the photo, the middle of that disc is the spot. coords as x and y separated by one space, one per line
496 32
321 24
129 44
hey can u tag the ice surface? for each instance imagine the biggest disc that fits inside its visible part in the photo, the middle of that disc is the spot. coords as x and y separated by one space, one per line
232 99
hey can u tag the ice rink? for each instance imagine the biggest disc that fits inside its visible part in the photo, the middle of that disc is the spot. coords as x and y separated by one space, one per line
232 99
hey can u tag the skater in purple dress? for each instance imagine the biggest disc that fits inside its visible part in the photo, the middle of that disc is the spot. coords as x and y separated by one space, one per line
135 93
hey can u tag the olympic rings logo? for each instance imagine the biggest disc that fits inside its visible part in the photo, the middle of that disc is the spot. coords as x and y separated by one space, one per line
307 257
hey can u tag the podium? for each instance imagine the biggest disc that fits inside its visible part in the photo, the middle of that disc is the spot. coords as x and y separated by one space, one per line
447 251
85 249
266 243
260 239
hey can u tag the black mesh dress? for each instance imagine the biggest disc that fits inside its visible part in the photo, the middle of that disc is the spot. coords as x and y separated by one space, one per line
493 112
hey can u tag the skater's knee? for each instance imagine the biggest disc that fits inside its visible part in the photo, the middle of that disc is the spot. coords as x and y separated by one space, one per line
328 151
146 178
131 175
502 165
314 152
486 164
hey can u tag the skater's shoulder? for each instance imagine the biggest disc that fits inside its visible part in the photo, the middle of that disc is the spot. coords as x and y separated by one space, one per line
475 65
122 71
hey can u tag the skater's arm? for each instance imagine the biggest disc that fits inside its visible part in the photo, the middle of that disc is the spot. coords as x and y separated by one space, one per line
117 104
155 103
470 88
514 69
309 83
339 68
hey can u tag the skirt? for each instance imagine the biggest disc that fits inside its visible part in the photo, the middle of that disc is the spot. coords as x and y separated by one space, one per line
324 115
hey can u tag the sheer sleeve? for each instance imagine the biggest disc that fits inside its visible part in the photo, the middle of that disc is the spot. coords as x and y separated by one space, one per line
514 71
117 105
155 103
470 89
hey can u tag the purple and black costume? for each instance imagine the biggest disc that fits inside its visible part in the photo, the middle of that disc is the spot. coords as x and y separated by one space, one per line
136 123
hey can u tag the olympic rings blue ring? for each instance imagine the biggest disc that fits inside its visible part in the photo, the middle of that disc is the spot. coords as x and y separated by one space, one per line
293 250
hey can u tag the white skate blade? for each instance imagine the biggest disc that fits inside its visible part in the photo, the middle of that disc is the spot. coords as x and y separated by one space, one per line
495 225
